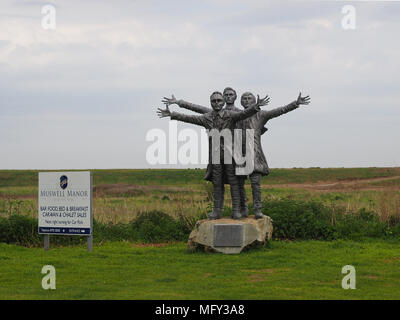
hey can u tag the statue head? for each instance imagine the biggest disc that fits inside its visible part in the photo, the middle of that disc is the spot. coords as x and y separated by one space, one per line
217 101
229 95
248 99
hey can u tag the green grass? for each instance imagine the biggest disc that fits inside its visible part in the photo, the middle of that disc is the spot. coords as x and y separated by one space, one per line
283 270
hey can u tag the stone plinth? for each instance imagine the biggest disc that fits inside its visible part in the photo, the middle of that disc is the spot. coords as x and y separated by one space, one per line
228 235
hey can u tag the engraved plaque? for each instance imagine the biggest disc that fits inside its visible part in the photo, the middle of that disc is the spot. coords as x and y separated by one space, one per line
228 235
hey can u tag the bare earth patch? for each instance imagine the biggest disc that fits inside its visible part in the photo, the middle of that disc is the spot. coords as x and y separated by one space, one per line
261 271
130 189
371 277
394 259
149 245
257 277
20 196
344 185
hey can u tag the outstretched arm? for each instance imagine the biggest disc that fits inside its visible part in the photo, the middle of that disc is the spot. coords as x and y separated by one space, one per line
198 120
186 105
267 115
237 116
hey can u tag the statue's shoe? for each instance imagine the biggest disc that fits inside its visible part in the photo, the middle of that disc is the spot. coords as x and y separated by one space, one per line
244 212
258 214
236 215
214 215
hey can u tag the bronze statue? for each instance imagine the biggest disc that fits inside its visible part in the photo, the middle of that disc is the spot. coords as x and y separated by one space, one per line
219 119
255 122
230 97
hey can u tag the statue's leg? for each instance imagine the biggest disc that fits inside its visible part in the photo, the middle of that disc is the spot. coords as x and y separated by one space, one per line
217 181
235 192
244 211
255 179
221 198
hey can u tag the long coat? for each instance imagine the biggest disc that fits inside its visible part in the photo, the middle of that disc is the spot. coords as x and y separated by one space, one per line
257 122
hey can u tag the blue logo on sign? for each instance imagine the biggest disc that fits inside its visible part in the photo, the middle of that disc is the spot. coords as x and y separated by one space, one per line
63 182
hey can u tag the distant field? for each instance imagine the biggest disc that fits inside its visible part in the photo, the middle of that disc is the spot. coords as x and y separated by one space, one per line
119 195
24 178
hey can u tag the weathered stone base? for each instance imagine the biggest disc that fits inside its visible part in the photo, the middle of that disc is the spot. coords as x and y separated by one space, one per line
228 235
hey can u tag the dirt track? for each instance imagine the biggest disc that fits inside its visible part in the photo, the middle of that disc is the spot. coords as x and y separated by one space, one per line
355 184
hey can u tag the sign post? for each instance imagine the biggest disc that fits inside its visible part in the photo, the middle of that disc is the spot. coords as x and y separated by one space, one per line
65 205
46 240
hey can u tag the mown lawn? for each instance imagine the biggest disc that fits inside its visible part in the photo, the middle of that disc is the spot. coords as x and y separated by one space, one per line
282 270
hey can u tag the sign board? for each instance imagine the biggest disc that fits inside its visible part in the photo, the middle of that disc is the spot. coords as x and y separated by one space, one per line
65 203
228 235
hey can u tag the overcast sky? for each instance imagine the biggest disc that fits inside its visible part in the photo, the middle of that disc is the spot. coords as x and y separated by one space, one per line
85 95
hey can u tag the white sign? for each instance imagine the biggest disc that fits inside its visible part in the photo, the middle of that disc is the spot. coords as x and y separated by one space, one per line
65 203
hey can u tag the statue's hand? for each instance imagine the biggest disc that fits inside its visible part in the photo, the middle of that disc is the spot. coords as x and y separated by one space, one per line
169 101
302 100
164 113
262 102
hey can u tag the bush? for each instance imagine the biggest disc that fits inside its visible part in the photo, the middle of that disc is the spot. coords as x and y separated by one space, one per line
295 219
299 220
292 219
360 225
109 231
156 226
19 229
148 227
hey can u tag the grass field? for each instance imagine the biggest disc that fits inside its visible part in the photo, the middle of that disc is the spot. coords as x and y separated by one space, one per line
119 195
29 178
283 270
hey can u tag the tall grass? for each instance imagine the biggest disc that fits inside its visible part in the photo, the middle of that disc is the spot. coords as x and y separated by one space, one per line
114 209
